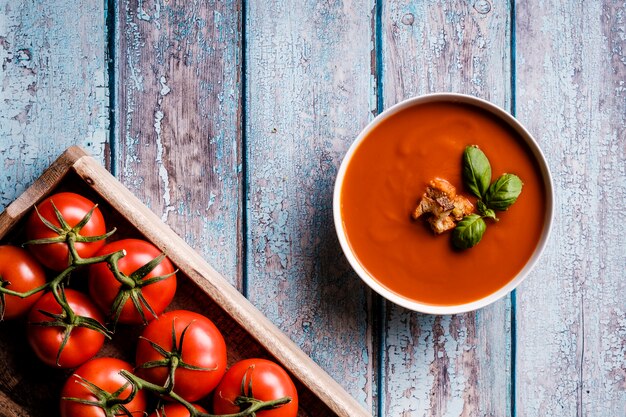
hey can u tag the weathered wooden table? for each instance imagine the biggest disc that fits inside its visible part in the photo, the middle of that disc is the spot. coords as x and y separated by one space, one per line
230 118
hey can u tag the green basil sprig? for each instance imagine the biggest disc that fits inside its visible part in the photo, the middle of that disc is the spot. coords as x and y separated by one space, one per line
499 195
485 211
476 171
503 192
469 231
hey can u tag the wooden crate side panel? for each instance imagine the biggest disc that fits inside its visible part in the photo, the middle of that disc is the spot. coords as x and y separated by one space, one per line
446 365
572 310
39 188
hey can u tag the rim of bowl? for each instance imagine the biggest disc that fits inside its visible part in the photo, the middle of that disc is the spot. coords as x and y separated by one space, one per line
548 216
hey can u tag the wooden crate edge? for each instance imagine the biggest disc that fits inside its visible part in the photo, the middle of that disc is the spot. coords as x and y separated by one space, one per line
248 316
40 187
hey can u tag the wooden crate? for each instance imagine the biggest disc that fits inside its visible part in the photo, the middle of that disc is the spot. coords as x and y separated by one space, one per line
29 388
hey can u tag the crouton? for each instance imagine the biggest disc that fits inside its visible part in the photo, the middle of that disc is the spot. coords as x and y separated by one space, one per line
443 206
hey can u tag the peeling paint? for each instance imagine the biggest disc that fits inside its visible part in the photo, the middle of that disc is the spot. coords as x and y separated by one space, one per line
141 13
163 174
52 89
165 89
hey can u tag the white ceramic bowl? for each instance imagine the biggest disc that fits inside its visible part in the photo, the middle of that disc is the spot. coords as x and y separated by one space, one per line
515 281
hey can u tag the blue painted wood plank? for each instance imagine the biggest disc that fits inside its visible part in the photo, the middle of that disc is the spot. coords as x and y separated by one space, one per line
178 122
446 365
53 86
572 310
310 90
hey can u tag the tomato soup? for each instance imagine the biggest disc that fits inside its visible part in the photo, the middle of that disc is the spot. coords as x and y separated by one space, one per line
388 173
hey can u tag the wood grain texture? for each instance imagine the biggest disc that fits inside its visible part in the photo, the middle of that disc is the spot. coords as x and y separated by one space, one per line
572 311
53 86
310 89
179 141
446 365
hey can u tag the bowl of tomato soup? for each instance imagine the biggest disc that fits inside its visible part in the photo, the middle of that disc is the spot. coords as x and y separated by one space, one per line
384 174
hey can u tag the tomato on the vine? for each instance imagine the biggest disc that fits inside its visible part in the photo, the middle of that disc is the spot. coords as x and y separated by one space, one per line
258 378
175 410
20 272
106 290
73 209
103 373
83 343
201 361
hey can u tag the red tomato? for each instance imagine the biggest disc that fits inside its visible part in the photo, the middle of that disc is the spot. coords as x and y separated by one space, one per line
22 273
104 288
203 347
83 343
105 374
73 208
269 382
175 410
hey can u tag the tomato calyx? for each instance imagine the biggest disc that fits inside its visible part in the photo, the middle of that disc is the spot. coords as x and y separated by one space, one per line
253 405
66 233
110 403
131 288
173 358
68 320
246 400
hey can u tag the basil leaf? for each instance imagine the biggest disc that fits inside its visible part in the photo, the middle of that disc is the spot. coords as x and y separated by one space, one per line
476 171
503 192
485 211
468 231
490 214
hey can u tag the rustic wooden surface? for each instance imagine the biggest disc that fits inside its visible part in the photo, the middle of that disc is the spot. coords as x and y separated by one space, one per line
229 120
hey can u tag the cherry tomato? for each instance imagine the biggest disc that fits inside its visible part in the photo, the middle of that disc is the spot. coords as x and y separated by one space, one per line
269 382
104 288
203 346
105 374
82 344
73 208
175 410
20 272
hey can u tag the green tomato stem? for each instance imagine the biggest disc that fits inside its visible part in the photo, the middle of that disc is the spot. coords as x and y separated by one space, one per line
110 403
115 270
25 293
255 405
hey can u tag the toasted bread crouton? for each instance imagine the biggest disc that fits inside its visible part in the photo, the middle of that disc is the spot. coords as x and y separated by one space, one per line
462 207
443 205
441 224
443 187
